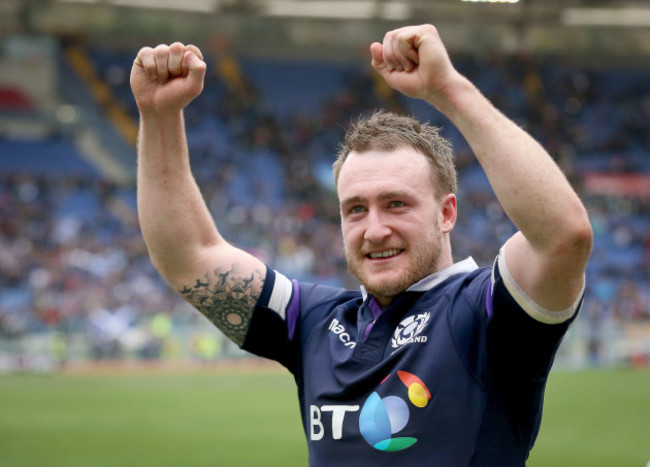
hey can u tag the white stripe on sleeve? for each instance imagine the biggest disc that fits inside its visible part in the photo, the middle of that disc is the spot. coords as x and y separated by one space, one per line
281 295
534 310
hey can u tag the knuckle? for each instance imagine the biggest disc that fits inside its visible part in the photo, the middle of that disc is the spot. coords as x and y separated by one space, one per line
177 47
194 49
430 28
161 49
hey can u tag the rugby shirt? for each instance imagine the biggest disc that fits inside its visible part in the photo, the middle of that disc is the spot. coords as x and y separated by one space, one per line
451 373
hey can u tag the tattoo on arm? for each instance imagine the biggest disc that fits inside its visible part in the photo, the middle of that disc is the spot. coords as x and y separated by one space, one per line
227 299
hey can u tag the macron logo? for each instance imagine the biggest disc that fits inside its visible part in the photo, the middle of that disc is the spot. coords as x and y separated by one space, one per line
338 329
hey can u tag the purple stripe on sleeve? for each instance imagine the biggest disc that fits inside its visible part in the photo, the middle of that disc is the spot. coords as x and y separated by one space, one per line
488 299
293 310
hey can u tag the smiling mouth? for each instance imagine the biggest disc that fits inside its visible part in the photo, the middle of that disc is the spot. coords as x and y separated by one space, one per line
383 254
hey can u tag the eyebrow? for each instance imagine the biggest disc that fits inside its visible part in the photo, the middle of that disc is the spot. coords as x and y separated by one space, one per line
352 200
394 194
382 197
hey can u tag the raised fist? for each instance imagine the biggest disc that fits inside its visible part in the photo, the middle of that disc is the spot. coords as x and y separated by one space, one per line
167 78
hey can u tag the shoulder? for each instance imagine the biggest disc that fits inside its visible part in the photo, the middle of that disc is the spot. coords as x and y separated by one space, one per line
303 302
280 292
319 295
465 299
466 290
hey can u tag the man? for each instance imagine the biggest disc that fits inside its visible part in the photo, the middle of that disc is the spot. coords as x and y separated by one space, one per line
432 362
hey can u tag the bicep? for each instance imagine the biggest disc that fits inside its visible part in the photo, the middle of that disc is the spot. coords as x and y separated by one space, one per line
224 284
553 281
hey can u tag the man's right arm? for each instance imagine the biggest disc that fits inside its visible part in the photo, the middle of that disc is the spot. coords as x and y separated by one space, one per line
221 281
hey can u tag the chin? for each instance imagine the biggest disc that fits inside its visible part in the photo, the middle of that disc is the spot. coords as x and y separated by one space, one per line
387 287
391 280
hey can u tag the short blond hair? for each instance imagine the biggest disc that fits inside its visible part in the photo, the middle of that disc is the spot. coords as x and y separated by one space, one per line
387 131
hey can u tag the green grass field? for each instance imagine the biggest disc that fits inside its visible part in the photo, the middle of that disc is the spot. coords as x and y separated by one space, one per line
250 418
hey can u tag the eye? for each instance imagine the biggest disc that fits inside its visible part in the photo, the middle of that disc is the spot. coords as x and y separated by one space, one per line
396 204
356 209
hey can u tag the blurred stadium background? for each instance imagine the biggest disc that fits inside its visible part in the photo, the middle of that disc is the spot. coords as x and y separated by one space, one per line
284 79
77 289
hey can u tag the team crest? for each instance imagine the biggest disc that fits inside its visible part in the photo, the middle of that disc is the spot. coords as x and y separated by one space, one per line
409 330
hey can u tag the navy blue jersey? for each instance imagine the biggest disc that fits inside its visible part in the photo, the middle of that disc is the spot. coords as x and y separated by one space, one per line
451 373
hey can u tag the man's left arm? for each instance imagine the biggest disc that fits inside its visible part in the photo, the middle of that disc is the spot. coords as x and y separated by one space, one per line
548 256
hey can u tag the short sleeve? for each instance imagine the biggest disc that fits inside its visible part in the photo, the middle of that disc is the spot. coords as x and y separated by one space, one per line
274 317
535 311
522 336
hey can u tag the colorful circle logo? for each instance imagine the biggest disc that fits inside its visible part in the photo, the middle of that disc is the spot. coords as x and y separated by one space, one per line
381 418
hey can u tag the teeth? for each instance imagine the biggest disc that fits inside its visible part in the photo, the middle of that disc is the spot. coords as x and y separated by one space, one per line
384 254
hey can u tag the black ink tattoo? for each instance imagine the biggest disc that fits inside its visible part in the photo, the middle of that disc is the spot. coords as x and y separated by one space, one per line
227 299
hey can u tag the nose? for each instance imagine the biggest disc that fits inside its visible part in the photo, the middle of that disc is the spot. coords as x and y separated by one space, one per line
376 229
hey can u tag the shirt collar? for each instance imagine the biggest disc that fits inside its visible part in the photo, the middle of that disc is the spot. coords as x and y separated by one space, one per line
429 282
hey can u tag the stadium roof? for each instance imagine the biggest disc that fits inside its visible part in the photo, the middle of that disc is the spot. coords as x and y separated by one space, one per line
590 29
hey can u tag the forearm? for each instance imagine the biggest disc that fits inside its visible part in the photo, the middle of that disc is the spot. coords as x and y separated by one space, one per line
174 219
529 185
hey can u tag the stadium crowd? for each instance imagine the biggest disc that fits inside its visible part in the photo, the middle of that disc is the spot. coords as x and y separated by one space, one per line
72 259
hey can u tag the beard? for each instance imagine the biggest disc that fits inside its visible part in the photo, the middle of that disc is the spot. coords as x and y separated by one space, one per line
422 260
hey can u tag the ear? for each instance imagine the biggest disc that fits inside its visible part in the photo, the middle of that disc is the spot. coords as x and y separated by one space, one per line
448 212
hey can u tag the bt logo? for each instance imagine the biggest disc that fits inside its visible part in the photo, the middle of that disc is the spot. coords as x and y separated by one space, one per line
381 418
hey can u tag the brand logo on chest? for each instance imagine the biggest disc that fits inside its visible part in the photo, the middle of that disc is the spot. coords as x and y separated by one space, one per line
338 329
409 330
